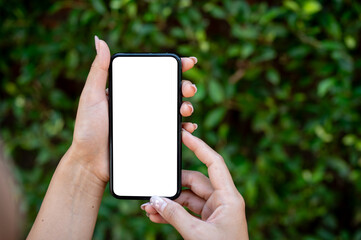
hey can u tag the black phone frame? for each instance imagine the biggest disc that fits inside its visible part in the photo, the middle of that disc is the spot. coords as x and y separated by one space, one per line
179 119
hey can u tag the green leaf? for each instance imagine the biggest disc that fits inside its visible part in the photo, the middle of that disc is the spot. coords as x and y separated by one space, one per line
311 7
332 26
99 6
273 76
116 4
324 86
291 5
214 117
216 91
245 32
350 42
349 139
72 59
246 50
266 55
322 134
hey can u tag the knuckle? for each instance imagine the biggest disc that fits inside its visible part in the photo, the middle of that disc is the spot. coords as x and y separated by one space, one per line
170 212
95 67
216 160
242 202
194 175
87 96
199 175
84 97
239 202
186 201
219 158
187 178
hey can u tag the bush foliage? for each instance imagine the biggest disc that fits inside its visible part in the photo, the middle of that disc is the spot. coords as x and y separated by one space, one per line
278 97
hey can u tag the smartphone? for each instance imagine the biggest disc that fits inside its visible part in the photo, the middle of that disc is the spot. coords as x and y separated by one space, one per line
145 125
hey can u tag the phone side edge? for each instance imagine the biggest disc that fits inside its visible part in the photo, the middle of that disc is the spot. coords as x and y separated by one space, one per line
110 134
179 126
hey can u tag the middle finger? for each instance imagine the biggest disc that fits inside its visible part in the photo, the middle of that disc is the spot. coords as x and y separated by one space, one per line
186 109
188 89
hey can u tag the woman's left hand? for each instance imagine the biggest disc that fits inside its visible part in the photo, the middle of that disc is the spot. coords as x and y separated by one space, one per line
90 140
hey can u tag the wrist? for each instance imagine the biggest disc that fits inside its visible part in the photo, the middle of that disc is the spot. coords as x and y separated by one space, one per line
71 204
80 175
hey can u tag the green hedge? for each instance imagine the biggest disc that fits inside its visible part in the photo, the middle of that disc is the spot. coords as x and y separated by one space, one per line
279 97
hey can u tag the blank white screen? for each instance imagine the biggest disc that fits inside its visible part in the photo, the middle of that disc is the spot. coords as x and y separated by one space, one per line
145 111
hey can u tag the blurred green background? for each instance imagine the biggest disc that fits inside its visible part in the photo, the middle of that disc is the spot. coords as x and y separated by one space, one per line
279 97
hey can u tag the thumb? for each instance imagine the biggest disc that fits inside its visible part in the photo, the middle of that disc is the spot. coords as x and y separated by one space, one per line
97 78
176 215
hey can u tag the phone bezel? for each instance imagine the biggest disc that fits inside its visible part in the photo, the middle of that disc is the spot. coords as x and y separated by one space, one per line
179 119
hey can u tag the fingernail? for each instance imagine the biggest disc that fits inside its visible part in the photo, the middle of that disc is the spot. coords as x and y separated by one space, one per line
144 205
96 40
158 203
184 131
194 88
195 60
195 126
191 107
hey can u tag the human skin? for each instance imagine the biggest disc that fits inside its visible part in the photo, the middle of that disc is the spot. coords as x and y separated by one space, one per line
216 199
71 204
10 216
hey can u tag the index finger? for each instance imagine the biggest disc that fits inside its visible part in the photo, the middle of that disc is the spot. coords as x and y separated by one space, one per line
217 168
188 63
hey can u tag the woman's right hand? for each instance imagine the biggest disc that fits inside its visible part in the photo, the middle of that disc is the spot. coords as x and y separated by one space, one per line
216 199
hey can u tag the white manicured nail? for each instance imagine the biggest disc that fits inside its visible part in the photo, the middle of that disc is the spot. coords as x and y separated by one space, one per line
194 88
195 60
191 107
158 203
144 205
96 40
